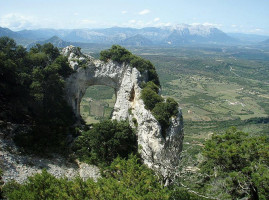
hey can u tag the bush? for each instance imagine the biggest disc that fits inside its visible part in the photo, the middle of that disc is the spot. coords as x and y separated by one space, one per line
116 53
239 162
150 98
1 184
123 179
105 141
161 110
121 55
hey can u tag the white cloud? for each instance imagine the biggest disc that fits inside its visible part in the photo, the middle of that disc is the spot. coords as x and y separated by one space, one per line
16 21
75 14
87 21
233 25
211 24
161 24
156 19
132 21
207 24
123 12
141 23
256 30
144 12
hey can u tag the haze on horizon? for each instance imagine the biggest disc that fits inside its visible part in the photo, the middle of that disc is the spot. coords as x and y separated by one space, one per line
244 16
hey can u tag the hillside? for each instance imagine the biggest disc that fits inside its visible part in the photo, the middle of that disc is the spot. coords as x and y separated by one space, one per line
137 40
55 40
265 42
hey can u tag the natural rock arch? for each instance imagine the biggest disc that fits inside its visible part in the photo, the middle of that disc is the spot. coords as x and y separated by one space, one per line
160 154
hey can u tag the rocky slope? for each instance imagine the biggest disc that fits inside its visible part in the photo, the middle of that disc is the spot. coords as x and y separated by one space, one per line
160 154
18 166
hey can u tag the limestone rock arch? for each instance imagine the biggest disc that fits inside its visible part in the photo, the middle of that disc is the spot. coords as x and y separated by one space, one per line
160 154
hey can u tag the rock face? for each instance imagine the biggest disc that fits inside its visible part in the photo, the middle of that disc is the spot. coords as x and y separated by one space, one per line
160 154
18 166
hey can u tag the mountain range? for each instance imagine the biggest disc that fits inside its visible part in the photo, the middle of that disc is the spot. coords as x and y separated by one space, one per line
169 36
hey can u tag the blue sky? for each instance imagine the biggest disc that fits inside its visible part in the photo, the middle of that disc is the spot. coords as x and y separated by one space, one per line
247 16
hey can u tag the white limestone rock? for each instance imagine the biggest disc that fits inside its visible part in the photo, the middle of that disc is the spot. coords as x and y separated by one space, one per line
160 154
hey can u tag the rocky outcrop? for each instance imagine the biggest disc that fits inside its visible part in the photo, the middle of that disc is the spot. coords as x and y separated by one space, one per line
19 166
160 154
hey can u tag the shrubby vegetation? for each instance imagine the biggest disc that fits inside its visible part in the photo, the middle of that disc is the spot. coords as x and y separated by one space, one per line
239 162
161 109
105 141
121 55
31 92
123 179
1 184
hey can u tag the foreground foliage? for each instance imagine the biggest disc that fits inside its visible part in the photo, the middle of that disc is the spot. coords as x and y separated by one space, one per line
105 141
31 92
237 164
123 179
1 184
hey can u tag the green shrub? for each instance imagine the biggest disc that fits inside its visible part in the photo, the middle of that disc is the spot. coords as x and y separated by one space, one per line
116 53
1 184
122 180
162 110
121 55
134 120
150 98
235 159
105 141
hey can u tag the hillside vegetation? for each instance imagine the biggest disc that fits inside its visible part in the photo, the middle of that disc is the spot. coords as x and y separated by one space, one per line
31 92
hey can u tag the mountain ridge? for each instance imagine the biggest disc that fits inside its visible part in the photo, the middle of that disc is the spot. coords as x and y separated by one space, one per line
169 35
182 34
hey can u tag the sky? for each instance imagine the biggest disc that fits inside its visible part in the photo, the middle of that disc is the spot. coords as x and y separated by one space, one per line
244 16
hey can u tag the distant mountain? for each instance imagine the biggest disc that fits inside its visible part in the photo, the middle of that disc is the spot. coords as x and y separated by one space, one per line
42 34
55 40
9 33
15 35
186 34
137 40
169 35
265 42
249 38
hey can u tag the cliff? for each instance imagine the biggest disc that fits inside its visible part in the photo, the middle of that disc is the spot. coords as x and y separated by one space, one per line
159 153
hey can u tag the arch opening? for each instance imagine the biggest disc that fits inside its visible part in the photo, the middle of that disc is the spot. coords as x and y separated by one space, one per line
97 103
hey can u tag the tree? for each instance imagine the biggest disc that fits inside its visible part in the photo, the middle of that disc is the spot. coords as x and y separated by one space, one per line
32 92
14 80
240 162
105 141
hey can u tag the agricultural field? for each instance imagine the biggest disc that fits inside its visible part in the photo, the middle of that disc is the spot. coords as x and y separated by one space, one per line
216 87
97 104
